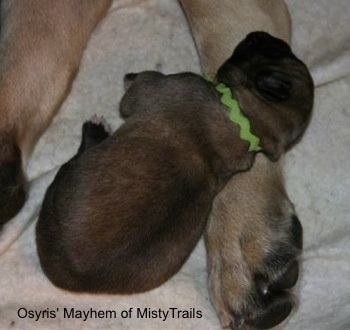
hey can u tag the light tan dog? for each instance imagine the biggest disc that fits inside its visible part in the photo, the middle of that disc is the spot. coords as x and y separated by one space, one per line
41 45
253 236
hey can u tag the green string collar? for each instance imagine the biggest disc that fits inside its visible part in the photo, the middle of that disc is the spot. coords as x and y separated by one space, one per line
236 115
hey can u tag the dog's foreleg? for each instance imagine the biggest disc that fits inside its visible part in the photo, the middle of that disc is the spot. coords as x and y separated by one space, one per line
41 45
253 235
218 28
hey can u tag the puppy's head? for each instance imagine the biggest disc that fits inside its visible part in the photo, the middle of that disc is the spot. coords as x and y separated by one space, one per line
274 90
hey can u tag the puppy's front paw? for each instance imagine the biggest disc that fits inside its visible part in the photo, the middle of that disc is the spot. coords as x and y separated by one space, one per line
252 265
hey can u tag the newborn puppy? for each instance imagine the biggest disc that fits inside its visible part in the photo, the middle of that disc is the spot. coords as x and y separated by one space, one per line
122 216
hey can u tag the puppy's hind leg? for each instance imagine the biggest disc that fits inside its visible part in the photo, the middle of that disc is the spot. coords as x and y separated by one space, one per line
94 131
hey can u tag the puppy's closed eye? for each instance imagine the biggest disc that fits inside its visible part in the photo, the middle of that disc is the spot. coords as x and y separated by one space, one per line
273 85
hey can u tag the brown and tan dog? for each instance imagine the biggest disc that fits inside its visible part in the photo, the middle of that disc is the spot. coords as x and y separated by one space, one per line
124 215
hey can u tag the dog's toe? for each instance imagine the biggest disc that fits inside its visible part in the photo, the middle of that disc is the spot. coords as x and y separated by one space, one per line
287 279
271 313
281 266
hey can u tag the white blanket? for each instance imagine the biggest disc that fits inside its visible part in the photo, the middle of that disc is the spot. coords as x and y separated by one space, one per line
153 34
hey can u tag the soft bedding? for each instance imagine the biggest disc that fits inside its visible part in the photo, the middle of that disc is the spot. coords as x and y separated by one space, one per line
153 34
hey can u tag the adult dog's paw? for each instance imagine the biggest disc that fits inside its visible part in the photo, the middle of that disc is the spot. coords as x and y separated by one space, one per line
12 182
253 264
250 274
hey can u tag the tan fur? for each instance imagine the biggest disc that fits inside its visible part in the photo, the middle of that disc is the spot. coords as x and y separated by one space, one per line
253 210
40 49
39 59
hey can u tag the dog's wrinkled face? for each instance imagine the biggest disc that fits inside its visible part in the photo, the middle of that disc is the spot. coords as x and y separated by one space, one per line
273 87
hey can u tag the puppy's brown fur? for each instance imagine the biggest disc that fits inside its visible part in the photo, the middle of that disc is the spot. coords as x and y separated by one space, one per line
123 216
252 218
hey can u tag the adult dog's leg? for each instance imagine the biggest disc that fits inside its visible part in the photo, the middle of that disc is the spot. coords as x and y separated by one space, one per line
41 44
218 27
253 236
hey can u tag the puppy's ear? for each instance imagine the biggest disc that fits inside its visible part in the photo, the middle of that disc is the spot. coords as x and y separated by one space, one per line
275 86
141 90
129 79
